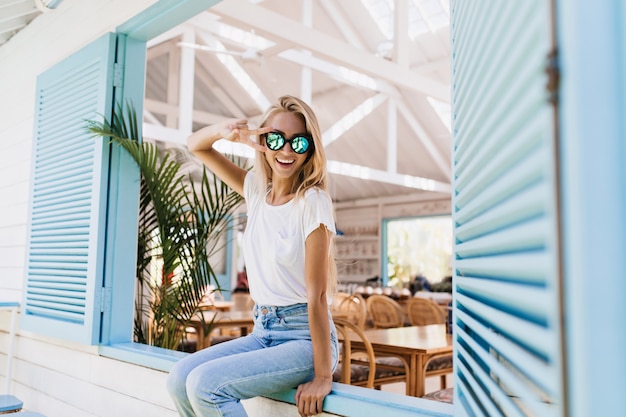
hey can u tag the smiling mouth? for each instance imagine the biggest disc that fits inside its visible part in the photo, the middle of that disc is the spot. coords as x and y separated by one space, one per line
285 161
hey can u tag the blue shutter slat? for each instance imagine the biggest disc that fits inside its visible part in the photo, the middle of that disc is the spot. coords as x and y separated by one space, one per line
56 173
71 301
66 152
525 300
482 167
67 212
51 241
60 196
528 235
56 257
506 322
55 194
486 68
70 87
473 386
51 279
71 213
49 311
56 223
56 178
523 332
518 208
521 267
486 369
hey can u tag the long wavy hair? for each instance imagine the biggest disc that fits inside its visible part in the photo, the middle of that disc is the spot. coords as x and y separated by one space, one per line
313 171
312 174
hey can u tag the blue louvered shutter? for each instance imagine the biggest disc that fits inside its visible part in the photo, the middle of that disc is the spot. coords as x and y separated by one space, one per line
506 269
65 247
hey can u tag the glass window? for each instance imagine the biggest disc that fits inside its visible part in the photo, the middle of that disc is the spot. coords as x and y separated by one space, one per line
419 246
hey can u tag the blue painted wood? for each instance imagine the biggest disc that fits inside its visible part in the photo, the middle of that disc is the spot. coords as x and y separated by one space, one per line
162 16
65 247
10 403
149 356
123 201
507 324
350 401
9 304
593 119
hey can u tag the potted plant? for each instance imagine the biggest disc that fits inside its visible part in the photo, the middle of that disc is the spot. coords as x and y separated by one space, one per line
179 228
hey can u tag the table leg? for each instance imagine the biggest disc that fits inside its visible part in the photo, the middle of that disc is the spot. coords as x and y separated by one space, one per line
412 377
200 337
420 376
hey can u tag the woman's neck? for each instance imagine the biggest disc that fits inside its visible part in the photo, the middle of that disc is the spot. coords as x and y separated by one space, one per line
280 193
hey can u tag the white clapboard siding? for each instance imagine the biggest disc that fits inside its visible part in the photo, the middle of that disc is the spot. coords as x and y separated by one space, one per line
506 267
65 245
78 382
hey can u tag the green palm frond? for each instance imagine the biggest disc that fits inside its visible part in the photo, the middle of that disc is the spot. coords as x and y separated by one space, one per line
179 224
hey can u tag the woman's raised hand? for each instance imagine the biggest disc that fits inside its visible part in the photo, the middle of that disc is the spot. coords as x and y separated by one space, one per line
238 131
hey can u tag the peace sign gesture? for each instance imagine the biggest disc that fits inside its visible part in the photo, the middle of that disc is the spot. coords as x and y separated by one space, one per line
237 131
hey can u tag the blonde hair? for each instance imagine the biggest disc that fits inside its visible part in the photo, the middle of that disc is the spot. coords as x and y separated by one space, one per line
312 173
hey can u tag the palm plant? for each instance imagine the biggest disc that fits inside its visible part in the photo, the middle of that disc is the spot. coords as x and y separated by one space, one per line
179 227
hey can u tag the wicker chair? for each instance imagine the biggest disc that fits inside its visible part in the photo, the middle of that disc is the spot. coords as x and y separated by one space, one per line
365 370
445 395
384 312
422 312
356 308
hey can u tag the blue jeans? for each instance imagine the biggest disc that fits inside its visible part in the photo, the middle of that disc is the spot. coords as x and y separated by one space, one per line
278 355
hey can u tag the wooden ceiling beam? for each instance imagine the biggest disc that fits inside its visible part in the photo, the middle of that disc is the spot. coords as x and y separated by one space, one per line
425 139
273 25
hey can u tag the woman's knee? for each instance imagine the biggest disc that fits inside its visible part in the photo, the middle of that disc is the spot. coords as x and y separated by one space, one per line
204 381
177 379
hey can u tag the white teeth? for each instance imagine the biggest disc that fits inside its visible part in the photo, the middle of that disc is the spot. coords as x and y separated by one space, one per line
286 161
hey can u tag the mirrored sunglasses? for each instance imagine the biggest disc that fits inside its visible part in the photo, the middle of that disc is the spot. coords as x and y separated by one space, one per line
276 140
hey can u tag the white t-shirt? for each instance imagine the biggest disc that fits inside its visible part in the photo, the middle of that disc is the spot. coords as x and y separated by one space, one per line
273 242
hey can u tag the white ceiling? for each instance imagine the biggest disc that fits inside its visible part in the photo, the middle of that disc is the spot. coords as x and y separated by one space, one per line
400 148
15 15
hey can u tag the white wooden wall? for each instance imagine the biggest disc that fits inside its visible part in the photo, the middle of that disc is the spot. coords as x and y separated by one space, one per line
370 213
52 376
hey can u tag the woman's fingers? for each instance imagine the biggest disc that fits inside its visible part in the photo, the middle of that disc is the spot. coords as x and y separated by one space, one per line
245 137
237 131
309 399
262 130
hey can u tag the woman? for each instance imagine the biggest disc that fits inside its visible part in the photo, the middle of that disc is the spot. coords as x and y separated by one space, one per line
288 257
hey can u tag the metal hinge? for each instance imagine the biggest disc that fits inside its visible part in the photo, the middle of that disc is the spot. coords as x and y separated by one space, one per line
118 75
105 299
554 76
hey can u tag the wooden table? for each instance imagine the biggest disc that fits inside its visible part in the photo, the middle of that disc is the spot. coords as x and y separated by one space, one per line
221 305
242 319
416 344
221 319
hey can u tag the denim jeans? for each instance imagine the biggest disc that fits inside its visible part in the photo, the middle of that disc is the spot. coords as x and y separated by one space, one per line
278 355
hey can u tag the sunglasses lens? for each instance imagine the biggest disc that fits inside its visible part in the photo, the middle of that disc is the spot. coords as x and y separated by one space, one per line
300 144
274 141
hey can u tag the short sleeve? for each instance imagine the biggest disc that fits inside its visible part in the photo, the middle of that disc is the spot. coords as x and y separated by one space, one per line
318 209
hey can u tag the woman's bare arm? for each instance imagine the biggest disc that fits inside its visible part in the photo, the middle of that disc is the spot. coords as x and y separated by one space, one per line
200 143
310 396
